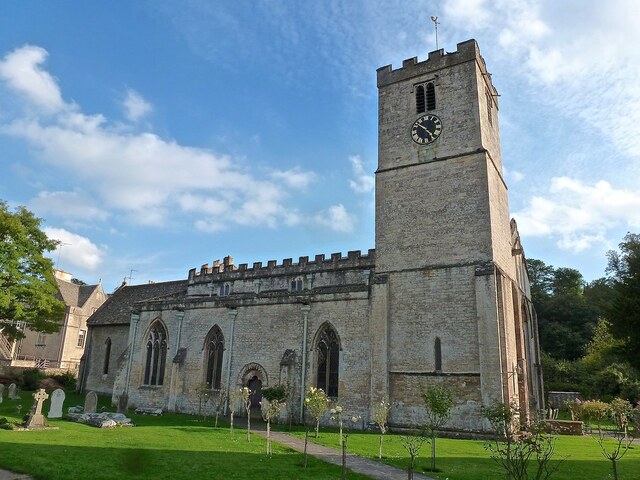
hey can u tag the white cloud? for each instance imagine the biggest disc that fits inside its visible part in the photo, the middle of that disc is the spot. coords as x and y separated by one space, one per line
72 205
144 176
21 69
135 106
294 178
336 218
363 182
578 215
512 175
474 13
75 250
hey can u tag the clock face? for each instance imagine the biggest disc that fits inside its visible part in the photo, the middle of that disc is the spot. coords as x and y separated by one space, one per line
426 129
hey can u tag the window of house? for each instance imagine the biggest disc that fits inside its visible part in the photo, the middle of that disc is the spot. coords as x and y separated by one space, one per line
225 290
41 340
81 336
107 356
214 345
328 348
156 355
437 348
297 285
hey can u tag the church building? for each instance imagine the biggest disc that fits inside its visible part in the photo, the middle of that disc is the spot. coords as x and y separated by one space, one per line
442 299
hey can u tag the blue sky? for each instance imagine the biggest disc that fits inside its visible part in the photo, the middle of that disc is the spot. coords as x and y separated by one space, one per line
156 136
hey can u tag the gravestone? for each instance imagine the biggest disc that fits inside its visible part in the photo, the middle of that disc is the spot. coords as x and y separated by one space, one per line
123 403
57 399
1 392
90 402
36 421
13 392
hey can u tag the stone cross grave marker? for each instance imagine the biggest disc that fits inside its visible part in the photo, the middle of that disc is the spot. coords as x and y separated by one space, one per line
57 399
90 402
36 419
1 392
13 392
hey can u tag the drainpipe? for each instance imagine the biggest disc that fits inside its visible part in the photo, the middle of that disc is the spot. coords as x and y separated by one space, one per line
135 317
232 314
305 320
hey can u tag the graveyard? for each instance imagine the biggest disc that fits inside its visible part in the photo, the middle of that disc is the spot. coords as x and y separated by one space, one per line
186 446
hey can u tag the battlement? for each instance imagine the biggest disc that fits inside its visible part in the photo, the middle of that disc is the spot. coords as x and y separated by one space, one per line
438 59
228 271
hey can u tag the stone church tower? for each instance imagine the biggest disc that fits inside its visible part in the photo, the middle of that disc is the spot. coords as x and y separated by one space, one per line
456 301
442 299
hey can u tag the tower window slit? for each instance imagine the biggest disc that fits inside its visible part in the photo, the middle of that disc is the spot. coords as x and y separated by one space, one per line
431 96
420 99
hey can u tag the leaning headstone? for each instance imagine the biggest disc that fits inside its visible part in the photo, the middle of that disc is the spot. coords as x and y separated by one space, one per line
1 392
123 403
13 392
90 402
57 399
36 421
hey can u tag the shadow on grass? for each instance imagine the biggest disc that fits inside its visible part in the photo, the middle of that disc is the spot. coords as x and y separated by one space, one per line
45 461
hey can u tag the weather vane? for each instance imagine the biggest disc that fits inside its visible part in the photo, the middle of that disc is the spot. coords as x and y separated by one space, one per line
435 21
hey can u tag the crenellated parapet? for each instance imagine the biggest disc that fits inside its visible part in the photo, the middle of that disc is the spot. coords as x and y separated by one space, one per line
225 278
437 60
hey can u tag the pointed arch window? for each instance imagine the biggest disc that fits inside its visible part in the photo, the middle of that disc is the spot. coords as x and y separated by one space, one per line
107 356
214 346
328 365
156 356
437 348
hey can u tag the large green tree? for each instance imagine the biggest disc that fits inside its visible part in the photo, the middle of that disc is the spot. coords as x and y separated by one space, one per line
27 285
566 318
624 310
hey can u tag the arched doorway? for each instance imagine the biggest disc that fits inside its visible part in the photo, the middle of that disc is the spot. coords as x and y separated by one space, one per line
255 386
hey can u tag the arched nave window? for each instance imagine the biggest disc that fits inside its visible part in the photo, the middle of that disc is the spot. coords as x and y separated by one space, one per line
156 358
214 346
328 364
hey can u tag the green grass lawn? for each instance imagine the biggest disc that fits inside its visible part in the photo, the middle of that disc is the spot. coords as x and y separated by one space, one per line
166 447
468 459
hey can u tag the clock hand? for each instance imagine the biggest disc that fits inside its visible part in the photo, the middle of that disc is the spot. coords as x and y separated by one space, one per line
424 128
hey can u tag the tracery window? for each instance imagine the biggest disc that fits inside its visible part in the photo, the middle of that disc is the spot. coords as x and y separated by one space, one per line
156 356
214 346
297 285
328 348
107 356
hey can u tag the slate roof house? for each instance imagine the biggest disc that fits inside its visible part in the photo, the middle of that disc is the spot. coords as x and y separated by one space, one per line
62 349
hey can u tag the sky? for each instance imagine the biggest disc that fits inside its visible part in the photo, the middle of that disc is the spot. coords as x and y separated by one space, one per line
152 137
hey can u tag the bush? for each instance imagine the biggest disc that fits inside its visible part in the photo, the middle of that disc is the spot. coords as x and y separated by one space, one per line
67 380
31 379
279 392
